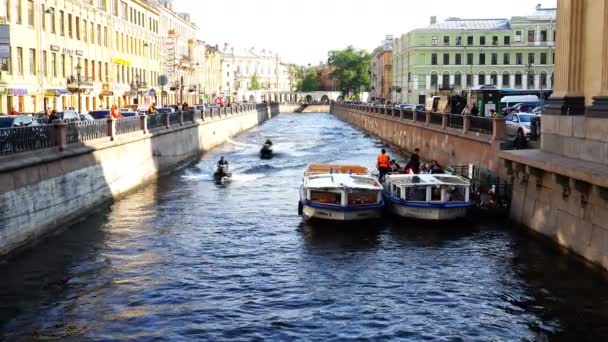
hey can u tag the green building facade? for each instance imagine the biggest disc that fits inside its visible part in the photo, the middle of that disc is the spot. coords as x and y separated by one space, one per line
458 54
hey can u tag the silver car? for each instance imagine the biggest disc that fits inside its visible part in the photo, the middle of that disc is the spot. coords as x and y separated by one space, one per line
519 121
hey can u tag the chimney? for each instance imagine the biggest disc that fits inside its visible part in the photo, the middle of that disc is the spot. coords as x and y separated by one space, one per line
433 20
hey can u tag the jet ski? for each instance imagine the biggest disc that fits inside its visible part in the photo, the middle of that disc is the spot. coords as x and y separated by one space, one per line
222 175
266 151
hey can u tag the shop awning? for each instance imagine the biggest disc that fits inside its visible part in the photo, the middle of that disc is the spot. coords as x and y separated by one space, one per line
55 92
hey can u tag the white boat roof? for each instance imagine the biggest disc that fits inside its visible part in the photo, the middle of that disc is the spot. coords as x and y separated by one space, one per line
341 180
315 169
428 179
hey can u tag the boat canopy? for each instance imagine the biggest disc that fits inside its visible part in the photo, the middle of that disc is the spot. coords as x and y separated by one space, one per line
341 180
315 169
427 179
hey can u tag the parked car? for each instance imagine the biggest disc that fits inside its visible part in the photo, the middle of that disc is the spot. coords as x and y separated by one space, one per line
522 108
128 114
519 121
86 117
165 110
18 121
100 113
69 116
11 141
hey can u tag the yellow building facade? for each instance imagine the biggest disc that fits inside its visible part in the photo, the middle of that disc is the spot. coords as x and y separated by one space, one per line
106 51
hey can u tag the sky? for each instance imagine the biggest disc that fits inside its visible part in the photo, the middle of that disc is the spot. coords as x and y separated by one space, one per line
303 32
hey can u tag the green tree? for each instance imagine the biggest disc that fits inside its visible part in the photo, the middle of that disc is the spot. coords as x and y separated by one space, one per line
351 69
296 74
310 82
255 84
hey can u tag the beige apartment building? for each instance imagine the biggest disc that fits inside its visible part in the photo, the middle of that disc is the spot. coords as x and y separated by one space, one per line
107 51
382 71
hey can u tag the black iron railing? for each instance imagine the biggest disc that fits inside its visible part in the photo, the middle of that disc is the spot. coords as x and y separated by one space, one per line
156 121
408 115
456 121
128 125
174 119
86 130
189 116
22 139
436 118
481 124
420 116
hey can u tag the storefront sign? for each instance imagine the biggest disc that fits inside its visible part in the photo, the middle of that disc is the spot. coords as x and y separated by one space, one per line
121 61
17 91
68 51
55 48
152 92
79 52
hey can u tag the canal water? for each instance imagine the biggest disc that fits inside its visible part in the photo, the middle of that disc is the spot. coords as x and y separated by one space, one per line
184 259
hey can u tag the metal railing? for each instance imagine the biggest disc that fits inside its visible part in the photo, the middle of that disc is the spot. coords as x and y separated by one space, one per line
189 116
408 115
128 125
481 124
420 116
155 121
81 131
456 121
174 118
436 119
22 139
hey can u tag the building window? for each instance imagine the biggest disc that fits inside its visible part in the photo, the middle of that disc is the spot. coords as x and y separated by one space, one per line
469 80
33 61
434 59
506 59
543 80
85 35
507 40
517 36
494 58
446 40
518 79
543 35
469 59
458 40
458 59
62 65
470 40
433 80
519 58
494 79
54 64
99 71
61 23
482 59
99 34
446 59
482 40
505 80
19 61
44 64
105 36
530 80
434 41
19 12
531 35
445 80
531 58
457 80
77 28
494 40
482 78
70 25
543 58
52 18
30 12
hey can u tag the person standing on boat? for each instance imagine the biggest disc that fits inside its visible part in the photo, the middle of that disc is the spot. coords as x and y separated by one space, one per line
414 162
394 167
383 164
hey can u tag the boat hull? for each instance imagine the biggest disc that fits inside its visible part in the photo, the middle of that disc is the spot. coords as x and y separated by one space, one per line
428 213
342 214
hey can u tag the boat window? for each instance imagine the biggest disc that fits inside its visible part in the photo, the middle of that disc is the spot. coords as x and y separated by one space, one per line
455 194
325 197
359 197
416 194
436 194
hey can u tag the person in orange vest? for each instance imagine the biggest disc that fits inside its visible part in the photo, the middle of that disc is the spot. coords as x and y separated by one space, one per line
114 112
383 164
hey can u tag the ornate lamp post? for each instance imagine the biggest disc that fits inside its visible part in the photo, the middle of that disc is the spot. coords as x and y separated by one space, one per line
78 70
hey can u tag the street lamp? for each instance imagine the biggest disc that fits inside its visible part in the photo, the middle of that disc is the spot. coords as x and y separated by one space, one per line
78 70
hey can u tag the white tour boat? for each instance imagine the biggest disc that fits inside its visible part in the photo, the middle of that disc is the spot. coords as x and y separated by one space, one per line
427 196
340 193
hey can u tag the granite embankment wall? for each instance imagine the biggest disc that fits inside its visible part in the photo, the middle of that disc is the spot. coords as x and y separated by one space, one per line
449 146
44 190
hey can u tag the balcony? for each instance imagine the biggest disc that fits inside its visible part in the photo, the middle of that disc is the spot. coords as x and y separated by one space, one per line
79 85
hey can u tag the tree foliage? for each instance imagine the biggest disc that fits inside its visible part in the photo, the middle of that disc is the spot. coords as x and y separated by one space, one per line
296 75
255 84
351 69
310 81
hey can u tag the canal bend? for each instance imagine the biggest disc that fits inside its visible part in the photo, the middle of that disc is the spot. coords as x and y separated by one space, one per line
184 259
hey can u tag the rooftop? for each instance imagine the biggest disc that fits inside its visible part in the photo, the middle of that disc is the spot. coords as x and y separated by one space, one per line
469 24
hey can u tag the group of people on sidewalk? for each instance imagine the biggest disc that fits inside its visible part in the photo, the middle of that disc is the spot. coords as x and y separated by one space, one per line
387 165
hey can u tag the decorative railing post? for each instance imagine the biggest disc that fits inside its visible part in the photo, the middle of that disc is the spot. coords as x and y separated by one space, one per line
400 113
143 123
499 128
181 117
166 120
444 120
60 135
111 128
393 111
428 118
466 123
